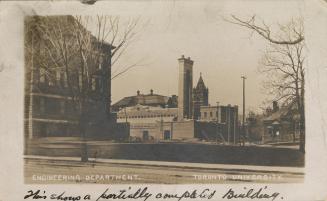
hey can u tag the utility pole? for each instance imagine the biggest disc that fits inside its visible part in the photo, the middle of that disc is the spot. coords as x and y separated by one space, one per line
243 117
228 123
234 126
217 127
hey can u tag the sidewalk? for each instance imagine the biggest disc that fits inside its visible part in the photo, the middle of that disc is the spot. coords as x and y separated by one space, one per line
243 168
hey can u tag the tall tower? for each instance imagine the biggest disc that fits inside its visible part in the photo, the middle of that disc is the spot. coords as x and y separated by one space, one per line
185 86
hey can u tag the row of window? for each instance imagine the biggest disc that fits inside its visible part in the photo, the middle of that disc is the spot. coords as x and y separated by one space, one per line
53 106
147 116
61 79
205 114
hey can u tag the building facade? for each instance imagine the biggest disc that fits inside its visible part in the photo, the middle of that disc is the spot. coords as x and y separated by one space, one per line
226 117
51 91
281 124
146 114
149 123
163 131
276 125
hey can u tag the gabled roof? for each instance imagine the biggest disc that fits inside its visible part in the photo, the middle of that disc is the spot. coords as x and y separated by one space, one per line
287 111
276 116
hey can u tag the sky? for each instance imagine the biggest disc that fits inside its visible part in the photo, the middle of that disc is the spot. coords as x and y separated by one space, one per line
221 51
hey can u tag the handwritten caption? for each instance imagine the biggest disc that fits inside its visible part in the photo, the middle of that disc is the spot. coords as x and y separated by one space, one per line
145 194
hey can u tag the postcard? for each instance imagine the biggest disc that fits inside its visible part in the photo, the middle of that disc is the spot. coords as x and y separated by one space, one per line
163 100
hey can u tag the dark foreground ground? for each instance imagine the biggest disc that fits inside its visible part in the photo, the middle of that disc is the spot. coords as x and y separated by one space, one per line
173 152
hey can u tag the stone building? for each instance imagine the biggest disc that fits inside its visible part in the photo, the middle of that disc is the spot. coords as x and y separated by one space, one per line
50 93
226 117
153 117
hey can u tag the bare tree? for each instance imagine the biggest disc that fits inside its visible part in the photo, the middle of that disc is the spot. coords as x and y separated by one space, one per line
283 63
69 54
265 31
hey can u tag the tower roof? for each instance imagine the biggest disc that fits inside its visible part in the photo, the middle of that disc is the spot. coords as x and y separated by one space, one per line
200 85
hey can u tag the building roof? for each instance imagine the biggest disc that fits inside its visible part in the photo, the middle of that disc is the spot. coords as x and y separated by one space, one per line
143 110
142 99
278 115
68 24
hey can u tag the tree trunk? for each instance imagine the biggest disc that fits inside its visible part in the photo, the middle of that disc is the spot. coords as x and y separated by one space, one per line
302 130
302 117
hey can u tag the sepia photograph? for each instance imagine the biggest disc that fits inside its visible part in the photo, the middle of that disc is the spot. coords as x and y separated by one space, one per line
196 93
172 100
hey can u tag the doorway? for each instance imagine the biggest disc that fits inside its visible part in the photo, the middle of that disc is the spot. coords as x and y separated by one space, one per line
145 135
167 135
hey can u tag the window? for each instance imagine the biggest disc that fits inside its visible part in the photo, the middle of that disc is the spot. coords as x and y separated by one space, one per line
51 83
145 135
93 84
58 73
62 78
167 135
62 107
210 114
100 62
42 105
97 84
270 131
42 75
65 80
80 80
205 114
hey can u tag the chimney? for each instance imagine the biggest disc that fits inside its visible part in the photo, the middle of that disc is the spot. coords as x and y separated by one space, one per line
138 92
151 92
268 111
275 106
